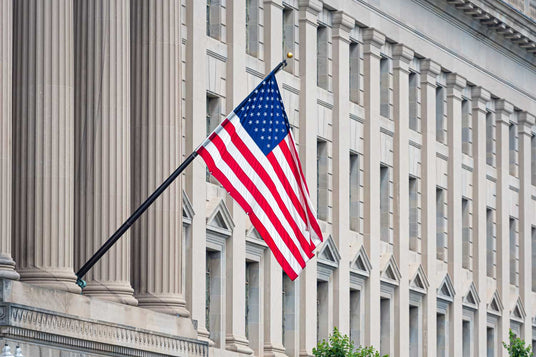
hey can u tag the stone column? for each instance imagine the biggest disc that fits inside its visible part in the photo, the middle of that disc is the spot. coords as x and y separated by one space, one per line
503 110
273 274
235 334
401 59
156 131
43 141
429 72
195 174
455 85
480 97
526 216
102 143
7 265
373 40
308 15
342 25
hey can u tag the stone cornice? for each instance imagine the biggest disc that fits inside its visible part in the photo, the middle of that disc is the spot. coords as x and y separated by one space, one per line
62 330
501 18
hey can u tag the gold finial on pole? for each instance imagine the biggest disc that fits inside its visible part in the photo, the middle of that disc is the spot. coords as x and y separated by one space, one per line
290 55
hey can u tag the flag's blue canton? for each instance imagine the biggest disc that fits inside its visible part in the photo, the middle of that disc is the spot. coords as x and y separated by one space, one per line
263 116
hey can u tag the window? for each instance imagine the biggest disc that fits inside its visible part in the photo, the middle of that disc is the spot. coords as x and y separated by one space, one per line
384 87
322 57
214 296
490 334
413 215
252 27
385 326
290 315
252 304
213 18
466 235
440 224
466 338
466 128
355 317
384 203
322 307
514 253
533 158
414 331
440 113
490 142
354 192
441 335
490 243
322 179
512 133
354 72
213 120
533 241
288 35
413 96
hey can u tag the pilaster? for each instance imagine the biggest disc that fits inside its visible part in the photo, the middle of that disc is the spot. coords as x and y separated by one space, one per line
480 97
503 110
7 265
526 217
273 274
342 25
429 72
308 13
156 129
43 117
402 56
102 144
373 40
235 264
195 174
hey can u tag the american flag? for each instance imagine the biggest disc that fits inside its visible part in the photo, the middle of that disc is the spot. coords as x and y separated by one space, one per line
253 155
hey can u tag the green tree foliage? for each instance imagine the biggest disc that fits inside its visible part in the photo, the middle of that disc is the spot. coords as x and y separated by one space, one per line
341 346
517 348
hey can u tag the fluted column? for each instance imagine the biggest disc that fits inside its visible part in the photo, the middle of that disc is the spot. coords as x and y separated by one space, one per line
44 142
402 56
342 25
308 14
503 110
455 84
102 143
273 274
479 99
429 72
156 123
373 40
7 265
526 214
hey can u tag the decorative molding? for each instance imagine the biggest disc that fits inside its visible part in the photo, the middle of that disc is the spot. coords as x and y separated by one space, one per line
517 312
418 281
187 209
219 219
445 291
361 265
471 298
495 305
67 331
328 258
389 271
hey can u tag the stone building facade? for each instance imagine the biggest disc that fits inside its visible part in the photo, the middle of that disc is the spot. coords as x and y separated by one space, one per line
415 121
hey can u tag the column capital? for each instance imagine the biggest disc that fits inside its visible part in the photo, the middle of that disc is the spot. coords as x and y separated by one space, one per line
503 109
429 71
402 56
373 40
311 6
342 25
526 122
455 85
480 97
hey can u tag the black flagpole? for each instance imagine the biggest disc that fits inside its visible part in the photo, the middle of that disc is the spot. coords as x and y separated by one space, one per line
139 211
